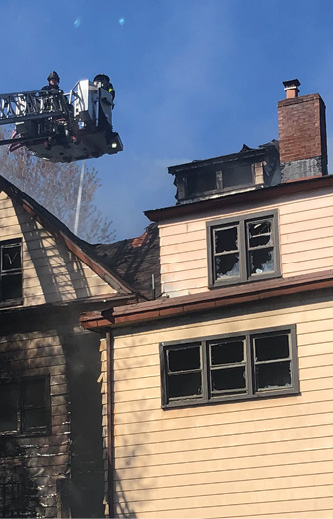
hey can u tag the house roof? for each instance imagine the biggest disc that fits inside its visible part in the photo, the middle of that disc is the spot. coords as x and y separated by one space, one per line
80 248
244 153
136 261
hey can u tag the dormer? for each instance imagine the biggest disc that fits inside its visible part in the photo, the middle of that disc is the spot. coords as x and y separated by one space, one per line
248 169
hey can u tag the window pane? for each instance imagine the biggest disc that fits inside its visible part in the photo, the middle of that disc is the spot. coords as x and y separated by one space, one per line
34 419
262 260
228 379
226 240
227 352
184 384
184 359
276 374
33 392
8 407
260 233
11 287
272 347
227 265
11 257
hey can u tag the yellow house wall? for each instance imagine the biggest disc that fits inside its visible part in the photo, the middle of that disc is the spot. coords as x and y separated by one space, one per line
50 272
305 233
265 458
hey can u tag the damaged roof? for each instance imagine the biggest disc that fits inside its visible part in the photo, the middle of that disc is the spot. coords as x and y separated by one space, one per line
136 261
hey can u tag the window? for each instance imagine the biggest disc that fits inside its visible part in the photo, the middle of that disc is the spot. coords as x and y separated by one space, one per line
249 365
11 271
25 406
243 249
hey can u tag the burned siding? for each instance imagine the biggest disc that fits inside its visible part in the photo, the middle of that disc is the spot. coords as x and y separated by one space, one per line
58 473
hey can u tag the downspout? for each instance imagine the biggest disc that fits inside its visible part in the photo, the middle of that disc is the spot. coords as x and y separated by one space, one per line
110 421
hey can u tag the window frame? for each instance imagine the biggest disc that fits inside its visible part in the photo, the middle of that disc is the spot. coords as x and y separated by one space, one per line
3 274
241 222
251 393
22 407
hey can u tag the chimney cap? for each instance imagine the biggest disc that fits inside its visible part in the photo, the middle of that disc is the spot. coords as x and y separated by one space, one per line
292 83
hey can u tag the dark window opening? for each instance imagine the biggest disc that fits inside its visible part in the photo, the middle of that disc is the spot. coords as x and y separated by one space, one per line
215 178
34 400
272 358
237 175
201 182
25 406
9 399
243 250
184 371
10 270
229 368
226 252
260 246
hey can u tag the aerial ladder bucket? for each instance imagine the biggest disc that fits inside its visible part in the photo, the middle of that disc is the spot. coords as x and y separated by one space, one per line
62 127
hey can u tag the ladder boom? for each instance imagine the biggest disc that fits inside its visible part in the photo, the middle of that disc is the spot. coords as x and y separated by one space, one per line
36 104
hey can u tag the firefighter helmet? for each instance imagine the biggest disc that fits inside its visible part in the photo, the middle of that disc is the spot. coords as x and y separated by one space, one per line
53 75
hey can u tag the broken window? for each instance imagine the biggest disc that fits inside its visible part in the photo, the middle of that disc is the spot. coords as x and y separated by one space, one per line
184 372
260 245
10 271
229 368
226 253
272 360
25 406
242 250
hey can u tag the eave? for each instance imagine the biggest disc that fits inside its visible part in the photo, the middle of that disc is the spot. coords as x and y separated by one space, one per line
203 301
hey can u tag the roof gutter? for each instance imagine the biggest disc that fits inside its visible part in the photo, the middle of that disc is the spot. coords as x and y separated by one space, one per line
216 298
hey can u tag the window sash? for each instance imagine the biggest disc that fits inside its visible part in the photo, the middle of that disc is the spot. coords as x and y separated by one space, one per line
263 257
254 371
24 411
11 278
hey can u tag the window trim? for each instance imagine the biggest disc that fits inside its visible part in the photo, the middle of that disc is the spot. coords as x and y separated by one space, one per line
244 275
19 300
206 398
21 429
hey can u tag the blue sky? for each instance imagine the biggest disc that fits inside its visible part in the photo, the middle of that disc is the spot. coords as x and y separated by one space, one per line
194 79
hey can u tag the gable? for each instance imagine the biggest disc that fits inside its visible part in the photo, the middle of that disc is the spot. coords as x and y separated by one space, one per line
51 272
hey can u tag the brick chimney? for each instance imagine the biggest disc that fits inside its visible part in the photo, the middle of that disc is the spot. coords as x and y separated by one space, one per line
302 134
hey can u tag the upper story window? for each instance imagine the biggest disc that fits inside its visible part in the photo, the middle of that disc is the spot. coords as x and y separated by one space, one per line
243 366
25 406
10 272
243 249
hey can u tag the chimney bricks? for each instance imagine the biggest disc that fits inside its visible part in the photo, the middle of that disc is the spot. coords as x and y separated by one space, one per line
302 134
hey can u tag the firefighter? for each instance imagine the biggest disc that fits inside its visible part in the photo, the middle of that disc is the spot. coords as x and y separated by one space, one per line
53 80
105 83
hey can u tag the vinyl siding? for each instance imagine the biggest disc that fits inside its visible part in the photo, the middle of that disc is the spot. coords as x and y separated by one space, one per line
258 458
305 235
51 273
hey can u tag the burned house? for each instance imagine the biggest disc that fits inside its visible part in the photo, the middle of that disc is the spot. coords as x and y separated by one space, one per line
186 372
218 394
51 450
